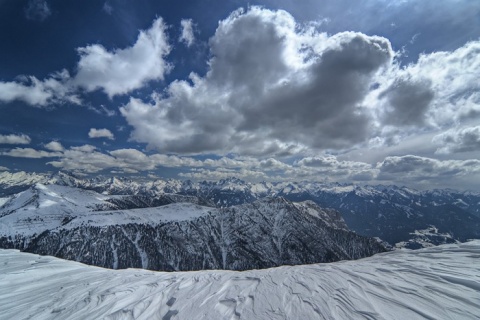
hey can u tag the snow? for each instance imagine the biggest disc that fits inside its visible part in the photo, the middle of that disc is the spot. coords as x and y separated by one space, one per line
171 212
44 207
3 201
434 283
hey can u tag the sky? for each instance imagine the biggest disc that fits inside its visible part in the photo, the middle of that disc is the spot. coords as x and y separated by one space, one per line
365 92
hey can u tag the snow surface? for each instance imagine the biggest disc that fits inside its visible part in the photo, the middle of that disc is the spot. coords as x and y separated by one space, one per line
435 283
46 207
155 215
3 200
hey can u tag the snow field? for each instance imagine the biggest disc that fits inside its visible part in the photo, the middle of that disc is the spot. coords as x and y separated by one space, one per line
434 283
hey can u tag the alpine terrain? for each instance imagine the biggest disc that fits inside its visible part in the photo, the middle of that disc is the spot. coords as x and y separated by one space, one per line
177 234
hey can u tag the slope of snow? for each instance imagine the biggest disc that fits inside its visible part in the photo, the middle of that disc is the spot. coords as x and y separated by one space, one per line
46 207
3 200
434 283
171 212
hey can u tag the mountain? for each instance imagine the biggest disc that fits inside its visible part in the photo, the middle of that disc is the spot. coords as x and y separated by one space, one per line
434 283
65 222
391 213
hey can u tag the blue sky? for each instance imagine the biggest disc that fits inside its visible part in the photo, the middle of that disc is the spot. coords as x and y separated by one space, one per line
370 92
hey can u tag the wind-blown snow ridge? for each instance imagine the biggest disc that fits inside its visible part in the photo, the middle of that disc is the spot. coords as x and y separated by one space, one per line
435 283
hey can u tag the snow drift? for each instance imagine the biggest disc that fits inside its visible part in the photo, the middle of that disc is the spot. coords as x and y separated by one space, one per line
434 283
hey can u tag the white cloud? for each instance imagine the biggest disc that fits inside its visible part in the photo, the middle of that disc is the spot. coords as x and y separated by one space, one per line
458 140
15 139
37 10
54 146
271 88
439 90
29 89
30 153
187 36
100 133
115 72
120 71
107 7
4 168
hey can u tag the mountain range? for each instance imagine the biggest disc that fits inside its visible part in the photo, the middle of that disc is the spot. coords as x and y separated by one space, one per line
394 214
175 232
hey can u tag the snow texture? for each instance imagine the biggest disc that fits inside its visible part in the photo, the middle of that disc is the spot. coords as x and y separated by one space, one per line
434 283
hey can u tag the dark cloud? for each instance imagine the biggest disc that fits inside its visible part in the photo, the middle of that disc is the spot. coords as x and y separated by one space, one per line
408 101
412 168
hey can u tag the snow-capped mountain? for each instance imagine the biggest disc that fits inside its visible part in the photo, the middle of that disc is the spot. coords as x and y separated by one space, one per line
389 212
65 222
435 283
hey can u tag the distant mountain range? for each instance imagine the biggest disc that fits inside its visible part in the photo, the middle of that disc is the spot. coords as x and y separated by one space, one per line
176 234
394 214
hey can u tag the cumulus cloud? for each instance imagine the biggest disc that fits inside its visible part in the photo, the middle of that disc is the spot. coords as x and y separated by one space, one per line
439 89
458 140
123 70
15 139
272 87
115 72
100 133
408 101
187 36
29 89
30 153
37 10
54 146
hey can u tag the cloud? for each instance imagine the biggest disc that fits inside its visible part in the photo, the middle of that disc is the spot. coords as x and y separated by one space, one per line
439 90
100 133
420 170
54 146
35 92
458 140
30 153
37 10
115 72
222 173
187 36
4 168
272 88
120 71
107 8
15 139
408 100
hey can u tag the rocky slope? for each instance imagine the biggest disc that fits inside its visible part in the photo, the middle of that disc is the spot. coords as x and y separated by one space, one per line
65 222
389 212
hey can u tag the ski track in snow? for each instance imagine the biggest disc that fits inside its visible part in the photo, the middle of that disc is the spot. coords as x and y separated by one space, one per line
434 283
